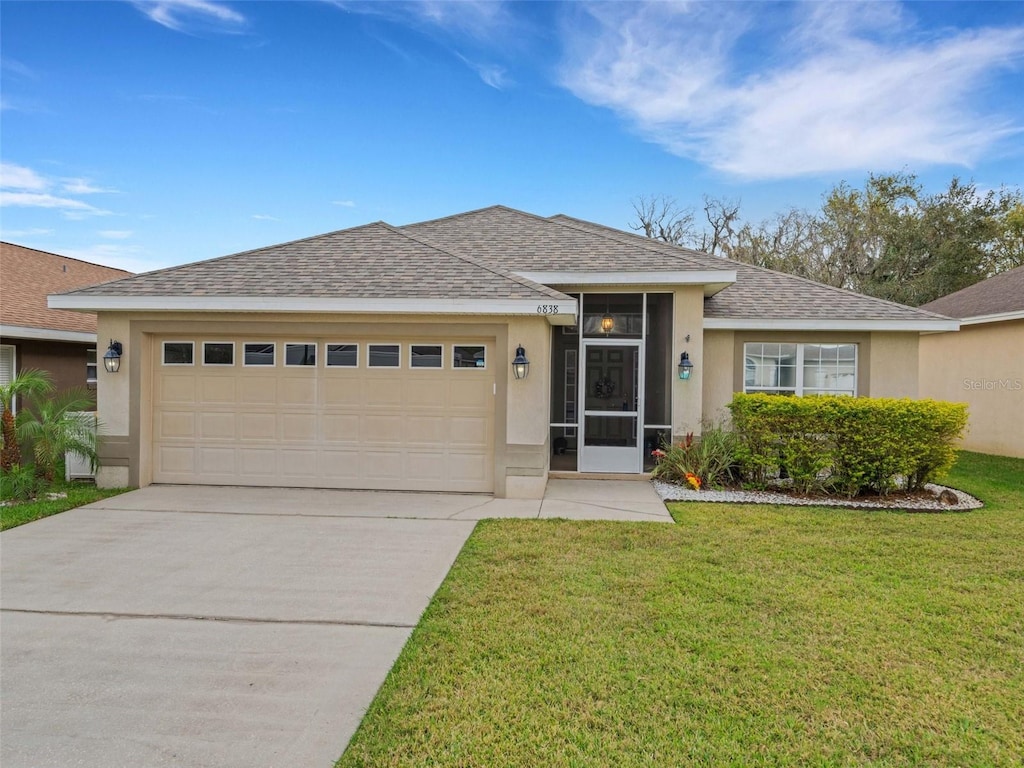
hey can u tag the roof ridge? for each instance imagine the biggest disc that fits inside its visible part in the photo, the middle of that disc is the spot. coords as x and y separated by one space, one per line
499 271
69 258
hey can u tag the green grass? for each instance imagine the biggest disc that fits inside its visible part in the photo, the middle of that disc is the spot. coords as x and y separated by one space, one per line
77 495
744 635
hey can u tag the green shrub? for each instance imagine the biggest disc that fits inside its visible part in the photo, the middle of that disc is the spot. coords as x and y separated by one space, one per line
19 483
709 458
846 444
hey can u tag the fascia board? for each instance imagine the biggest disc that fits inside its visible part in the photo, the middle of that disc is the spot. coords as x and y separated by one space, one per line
46 334
837 324
995 318
713 280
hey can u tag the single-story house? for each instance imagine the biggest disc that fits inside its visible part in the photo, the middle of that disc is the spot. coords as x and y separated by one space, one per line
32 335
983 364
393 357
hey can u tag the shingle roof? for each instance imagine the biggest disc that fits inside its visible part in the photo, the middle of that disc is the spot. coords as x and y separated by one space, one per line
27 276
997 295
760 293
370 261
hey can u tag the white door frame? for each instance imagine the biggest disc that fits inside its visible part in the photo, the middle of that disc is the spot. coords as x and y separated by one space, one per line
627 460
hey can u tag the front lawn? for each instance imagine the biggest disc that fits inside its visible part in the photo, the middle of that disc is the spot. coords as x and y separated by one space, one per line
77 495
743 635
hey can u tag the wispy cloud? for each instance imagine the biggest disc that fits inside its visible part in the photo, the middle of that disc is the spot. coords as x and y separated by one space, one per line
22 187
344 203
493 75
128 257
115 234
830 87
83 187
33 232
190 15
264 217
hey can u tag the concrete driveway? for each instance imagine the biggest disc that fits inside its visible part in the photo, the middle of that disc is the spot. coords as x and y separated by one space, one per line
209 627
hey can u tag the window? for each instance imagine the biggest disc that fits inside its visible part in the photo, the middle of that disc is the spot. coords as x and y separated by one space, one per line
384 356
300 354
218 353
800 369
259 353
90 368
178 352
425 356
468 357
342 355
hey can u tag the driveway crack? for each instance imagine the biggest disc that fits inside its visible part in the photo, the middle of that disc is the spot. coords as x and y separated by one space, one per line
225 619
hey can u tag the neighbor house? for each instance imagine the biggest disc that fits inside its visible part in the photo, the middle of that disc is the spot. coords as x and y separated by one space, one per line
394 357
983 364
33 335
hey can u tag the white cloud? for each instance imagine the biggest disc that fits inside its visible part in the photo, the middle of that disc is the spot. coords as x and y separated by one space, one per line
492 74
44 200
344 203
115 234
34 232
19 177
22 187
264 217
82 187
837 86
182 15
128 257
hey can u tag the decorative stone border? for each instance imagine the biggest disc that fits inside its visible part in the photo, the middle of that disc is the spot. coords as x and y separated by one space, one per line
672 492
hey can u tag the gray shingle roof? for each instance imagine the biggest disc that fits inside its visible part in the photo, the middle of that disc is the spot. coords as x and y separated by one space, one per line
999 294
367 262
760 293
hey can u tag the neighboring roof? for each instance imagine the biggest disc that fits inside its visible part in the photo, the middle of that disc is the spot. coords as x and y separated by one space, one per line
27 276
493 260
1000 297
763 298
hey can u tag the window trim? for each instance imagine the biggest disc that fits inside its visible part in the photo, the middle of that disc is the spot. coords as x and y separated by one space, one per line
440 367
312 344
90 381
798 388
369 351
327 353
163 354
219 365
483 367
246 364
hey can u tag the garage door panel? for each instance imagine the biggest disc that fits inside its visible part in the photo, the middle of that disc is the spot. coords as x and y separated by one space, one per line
360 427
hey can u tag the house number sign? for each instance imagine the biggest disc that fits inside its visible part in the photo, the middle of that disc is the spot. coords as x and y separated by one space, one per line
547 309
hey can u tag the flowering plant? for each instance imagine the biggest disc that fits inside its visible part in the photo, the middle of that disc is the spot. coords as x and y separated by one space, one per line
693 480
696 462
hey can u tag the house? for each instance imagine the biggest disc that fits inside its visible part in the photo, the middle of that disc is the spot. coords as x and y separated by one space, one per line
983 364
396 357
35 336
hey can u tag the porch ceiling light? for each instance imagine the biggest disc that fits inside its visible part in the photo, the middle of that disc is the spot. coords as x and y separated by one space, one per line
112 358
520 365
607 322
685 366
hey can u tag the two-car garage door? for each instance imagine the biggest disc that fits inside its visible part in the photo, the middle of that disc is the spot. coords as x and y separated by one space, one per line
325 413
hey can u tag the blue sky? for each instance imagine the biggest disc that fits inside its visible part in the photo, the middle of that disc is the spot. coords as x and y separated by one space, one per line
145 134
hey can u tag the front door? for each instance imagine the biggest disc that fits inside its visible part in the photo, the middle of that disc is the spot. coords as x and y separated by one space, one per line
611 406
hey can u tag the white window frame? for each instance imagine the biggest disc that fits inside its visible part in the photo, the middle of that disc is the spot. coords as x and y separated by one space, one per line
163 354
798 388
14 371
312 344
470 367
272 344
369 351
427 367
220 365
90 381
327 359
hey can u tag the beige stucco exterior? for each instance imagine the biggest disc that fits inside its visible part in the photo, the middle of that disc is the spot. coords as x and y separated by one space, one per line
982 365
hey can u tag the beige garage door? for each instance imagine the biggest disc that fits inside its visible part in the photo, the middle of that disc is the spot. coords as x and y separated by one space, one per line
325 413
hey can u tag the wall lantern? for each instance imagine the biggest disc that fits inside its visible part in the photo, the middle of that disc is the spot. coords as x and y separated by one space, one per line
607 323
685 366
520 365
112 358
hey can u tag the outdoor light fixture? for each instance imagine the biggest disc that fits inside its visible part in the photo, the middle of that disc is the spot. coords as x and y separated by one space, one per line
685 366
520 365
112 359
607 323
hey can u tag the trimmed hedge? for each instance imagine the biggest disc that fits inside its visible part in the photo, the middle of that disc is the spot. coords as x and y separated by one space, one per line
849 445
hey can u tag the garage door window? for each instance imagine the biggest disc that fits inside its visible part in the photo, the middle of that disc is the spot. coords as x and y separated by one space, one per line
178 352
300 354
259 353
342 355
384 356
468 357
218 353
425 356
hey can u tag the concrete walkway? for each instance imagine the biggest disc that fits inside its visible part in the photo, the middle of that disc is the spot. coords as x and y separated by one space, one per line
190 626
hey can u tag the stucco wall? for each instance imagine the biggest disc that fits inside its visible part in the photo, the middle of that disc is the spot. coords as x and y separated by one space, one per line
719 351
64 360
688 396
981 365
893 365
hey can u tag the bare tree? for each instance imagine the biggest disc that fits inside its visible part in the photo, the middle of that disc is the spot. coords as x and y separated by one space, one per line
723 217
660 218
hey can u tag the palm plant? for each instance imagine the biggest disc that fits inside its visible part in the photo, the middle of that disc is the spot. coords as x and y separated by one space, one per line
56 425
29 383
